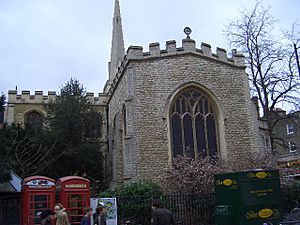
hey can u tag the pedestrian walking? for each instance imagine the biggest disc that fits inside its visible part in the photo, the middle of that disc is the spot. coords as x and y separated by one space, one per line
86 219
47 217
62 218
160 215
99 215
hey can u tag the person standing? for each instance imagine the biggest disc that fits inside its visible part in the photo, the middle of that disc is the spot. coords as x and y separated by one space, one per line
86 219
99 215
160 215
47 217
58 207
62 218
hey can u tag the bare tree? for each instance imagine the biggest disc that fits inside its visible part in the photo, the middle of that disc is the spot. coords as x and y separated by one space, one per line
27 156
270 60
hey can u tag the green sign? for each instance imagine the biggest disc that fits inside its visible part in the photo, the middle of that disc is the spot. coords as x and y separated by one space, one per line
247 198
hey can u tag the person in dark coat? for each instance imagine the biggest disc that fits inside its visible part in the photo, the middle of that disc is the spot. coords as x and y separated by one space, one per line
87 217
47 217
99 215
160 215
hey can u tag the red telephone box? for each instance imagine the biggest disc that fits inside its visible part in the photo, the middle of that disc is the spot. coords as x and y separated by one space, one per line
38 194
74 193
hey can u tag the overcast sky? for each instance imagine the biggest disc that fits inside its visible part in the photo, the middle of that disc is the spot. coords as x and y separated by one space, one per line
45 42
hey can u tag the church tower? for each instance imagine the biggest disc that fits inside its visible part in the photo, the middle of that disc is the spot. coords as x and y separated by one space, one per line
117 45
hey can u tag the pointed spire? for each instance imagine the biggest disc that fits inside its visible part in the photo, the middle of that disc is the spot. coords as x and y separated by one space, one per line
117 43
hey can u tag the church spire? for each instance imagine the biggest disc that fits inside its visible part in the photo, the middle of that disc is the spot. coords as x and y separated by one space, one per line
117 43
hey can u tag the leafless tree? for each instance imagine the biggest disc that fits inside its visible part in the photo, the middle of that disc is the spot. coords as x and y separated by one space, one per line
270 60
27 156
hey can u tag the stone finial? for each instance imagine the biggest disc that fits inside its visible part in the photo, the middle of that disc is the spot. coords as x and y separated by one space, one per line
154 49
206 48
187 31
135 52
171 46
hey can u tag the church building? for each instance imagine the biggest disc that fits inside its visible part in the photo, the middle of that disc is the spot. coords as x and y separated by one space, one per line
173 100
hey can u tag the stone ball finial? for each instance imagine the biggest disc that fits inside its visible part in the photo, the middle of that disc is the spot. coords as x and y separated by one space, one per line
187 31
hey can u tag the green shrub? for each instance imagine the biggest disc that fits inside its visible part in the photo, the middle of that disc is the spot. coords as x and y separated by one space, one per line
134 200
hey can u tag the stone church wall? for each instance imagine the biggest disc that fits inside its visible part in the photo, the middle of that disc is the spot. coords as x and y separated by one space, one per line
157 76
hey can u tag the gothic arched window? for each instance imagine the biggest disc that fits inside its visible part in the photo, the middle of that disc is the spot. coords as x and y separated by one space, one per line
34 120
193 125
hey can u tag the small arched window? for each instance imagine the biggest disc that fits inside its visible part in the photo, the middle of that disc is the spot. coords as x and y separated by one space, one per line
193 125
34 120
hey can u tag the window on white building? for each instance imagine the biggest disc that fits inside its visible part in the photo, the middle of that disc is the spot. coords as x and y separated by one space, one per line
290 129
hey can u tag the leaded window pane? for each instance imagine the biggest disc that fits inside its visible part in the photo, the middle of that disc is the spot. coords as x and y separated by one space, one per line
188 135
201 145
211 130
176 135
193 125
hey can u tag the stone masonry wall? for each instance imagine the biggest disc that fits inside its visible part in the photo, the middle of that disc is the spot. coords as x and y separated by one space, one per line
160 73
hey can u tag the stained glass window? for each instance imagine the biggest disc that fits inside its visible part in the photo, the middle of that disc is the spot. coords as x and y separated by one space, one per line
193 125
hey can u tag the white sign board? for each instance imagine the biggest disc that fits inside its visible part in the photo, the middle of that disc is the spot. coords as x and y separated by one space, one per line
111 208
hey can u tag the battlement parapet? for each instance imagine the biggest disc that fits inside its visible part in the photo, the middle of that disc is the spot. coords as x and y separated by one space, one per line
39 98
188 46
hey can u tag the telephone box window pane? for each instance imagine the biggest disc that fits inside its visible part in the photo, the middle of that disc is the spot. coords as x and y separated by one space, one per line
75 197
76 219
40 198
40 205
75 204
75 212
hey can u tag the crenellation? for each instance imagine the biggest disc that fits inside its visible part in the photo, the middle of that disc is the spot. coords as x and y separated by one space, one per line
199 51
206 49
154 49
171 46
26 97
179 49
222 54
51 92
189 45
38 93
238 59
134 52
25 93
146 54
